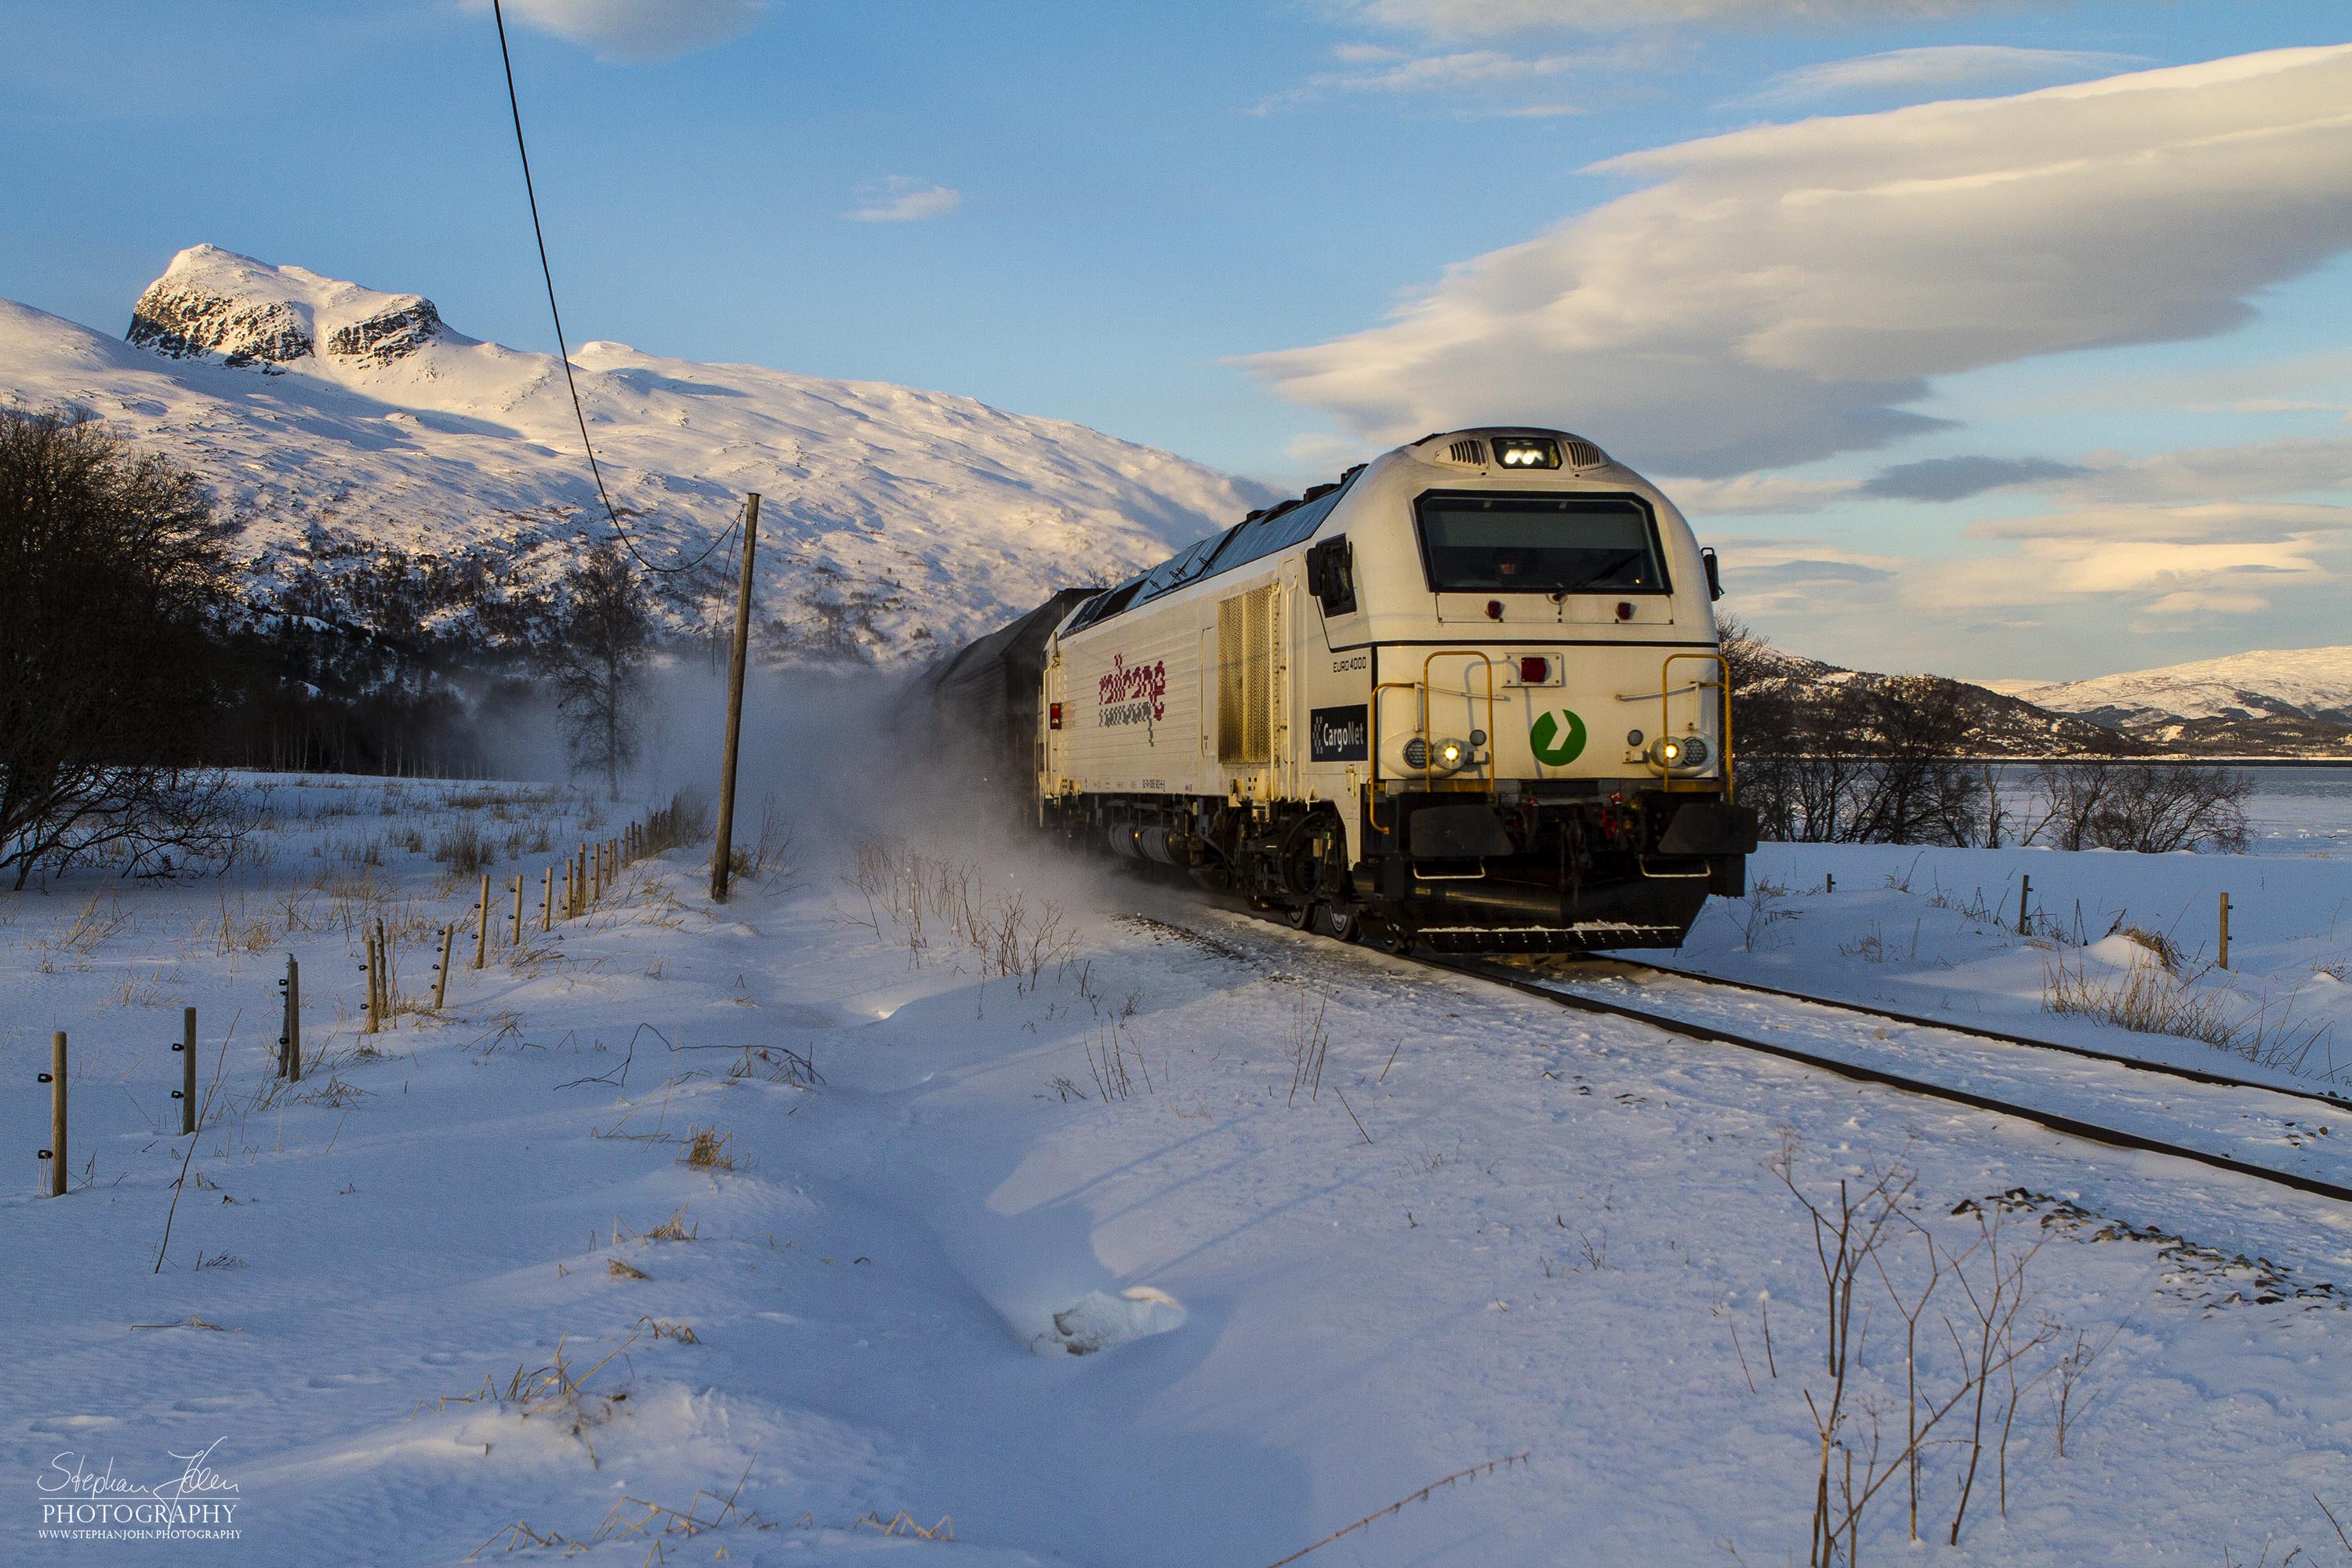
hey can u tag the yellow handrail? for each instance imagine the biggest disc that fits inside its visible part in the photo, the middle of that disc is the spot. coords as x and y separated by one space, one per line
1372 788
1666 718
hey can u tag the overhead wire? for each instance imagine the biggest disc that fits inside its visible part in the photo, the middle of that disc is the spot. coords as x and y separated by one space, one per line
564 350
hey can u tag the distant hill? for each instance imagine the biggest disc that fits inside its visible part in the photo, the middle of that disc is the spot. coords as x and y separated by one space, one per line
391 472
2283 701
2001 726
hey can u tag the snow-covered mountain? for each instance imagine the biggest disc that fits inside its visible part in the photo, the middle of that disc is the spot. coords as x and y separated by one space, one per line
360 441
2304 683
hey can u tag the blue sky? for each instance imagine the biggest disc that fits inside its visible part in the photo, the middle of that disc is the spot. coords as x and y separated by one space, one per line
1106 213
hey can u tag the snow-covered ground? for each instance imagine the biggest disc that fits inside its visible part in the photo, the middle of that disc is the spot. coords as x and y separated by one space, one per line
1051 1114
1935 933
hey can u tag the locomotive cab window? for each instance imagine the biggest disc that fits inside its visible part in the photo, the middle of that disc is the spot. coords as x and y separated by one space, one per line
1533 544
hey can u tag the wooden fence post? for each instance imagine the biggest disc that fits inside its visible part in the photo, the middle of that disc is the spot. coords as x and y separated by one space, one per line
2225 931
186 1093
482 925
294 1018
2024 889
517 940
441 975
56 1078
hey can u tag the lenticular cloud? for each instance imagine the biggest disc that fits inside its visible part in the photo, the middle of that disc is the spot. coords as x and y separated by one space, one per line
1780 294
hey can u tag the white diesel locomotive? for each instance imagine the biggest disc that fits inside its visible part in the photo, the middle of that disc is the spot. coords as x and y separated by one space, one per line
1469 695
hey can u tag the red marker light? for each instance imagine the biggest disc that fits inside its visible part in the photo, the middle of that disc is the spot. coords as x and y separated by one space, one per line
1624 609
1494 609
1533 672
1053 717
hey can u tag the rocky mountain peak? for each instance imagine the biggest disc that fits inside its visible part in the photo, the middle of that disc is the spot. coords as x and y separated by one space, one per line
212 301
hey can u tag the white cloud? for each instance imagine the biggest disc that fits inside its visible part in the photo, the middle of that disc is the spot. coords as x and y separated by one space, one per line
1779 495
2299 465
1947 67
1393 73
2160 562
638 31
901 200
1779 294
1487 18
1795 577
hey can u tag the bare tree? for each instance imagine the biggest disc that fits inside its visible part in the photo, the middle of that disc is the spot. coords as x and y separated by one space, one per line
596 658
2153 807
1851 758
113 589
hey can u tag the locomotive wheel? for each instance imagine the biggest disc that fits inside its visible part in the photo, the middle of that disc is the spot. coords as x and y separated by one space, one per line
1301 916
1338 921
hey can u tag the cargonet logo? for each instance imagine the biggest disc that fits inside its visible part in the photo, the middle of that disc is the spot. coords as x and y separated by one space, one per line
1557 737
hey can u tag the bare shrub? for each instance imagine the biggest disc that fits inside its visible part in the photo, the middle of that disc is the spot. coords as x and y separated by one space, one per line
923 899
1757 913
707 1148
2155 808
1116 1061
2152 1000
553 1392
1969 1374
2159 946
465 849
770 853
680 823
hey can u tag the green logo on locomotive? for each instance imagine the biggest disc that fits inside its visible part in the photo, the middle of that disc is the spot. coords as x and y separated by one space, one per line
1557 737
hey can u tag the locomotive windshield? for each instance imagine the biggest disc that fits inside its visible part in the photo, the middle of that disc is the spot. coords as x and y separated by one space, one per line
1523 543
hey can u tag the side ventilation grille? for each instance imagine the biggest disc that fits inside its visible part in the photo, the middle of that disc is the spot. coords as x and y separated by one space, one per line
1582 454
1467 452
1245 634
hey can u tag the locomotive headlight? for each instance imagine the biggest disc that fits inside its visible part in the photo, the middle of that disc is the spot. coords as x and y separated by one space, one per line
1445 756
1677 753
1527 452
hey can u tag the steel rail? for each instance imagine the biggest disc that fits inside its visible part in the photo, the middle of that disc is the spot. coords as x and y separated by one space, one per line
2195 1075
2056 1122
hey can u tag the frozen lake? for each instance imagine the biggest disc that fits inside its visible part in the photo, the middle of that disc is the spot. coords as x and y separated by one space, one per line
2301 811
2297 809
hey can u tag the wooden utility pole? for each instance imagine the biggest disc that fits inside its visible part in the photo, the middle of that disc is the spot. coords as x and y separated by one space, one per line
722 852
186 1095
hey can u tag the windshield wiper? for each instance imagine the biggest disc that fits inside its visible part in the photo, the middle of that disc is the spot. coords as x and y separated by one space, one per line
1620 559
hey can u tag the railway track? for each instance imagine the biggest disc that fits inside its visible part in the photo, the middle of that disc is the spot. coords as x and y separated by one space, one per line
2208 1124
